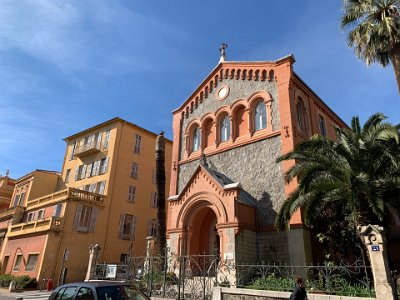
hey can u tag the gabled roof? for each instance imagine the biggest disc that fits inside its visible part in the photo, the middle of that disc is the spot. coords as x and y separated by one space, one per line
216 75
222 181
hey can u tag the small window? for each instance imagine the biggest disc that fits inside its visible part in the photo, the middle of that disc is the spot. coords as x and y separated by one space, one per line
92 188
18 262
153 200
301 115
225 129
101 186
40 214
85 218
32 261
67 174
196 139
106 139
260 116
131 194
152 227
322 127
73 146
138 142
57 210
104 165
30 216
134 171
127 227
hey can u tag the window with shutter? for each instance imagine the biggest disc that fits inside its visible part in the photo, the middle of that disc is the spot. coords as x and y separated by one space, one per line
67 174
16 201
133 232
131 194
98 139
127 229
71 156
104 165
96 167
83 172
77 217
134 171
101 187
93 217
106 139
57 210
138 142
151 227
89 170
76 173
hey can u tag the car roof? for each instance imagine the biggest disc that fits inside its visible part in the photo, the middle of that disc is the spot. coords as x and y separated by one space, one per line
95 284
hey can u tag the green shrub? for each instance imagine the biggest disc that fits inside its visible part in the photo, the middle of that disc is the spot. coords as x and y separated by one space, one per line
272 282
6 279
25 282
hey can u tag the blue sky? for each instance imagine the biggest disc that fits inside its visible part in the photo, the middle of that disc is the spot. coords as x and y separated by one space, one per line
69 65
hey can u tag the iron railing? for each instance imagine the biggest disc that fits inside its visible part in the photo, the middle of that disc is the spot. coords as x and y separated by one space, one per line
193 277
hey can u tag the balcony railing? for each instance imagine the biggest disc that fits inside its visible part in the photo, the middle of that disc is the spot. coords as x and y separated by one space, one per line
86 149
38 226
69 193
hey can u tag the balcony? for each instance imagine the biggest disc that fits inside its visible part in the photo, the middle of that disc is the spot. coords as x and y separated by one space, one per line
70 193
9 213
34 227
87 149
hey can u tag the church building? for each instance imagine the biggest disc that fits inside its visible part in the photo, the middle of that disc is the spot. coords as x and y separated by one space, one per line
226 186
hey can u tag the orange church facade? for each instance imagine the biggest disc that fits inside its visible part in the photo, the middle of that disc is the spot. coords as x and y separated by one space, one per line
226 186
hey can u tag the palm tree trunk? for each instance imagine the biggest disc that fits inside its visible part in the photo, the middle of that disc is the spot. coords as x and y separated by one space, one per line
160 184
395 59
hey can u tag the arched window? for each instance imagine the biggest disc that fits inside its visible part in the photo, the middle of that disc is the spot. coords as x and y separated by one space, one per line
196 139
301 115
208 131
260 116
241 127
225 129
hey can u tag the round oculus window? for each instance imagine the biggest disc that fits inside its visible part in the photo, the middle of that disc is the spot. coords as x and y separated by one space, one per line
222 92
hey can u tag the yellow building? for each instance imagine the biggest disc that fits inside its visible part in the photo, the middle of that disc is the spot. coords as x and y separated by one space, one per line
106 195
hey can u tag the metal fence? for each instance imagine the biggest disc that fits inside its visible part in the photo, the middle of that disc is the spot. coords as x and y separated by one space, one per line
193 277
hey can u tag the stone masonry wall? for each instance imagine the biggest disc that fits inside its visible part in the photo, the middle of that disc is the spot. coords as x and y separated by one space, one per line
246 250
238 89
254 166
274 247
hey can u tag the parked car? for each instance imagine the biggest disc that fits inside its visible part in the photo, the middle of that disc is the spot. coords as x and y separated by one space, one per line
98 290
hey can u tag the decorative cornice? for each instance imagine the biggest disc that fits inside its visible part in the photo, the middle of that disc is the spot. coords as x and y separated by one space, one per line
255 71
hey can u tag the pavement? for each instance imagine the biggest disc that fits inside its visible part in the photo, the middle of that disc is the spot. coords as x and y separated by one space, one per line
28 295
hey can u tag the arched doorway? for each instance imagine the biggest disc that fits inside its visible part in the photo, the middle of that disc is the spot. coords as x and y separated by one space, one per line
204 237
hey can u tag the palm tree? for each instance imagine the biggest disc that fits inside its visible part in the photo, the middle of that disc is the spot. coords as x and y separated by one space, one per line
375 34
355 177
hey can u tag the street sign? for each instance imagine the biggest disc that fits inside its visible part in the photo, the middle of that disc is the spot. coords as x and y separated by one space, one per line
375 248
111 271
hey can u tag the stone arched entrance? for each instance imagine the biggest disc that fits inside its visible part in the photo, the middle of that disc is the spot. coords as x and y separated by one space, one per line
203 236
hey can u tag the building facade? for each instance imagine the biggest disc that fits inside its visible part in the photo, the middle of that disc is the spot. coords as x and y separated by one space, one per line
226 186
105 195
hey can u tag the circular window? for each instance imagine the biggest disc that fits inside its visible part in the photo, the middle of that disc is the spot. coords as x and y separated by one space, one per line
222 93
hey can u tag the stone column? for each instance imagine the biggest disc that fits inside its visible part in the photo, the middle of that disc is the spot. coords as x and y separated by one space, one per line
93 253
373 237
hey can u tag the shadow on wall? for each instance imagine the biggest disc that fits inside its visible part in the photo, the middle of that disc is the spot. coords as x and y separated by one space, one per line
265 210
